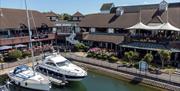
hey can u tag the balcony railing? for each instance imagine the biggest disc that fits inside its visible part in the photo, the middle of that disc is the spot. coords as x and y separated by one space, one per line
24 39
151 38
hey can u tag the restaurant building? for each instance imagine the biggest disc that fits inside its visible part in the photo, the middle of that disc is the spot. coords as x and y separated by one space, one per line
14 29
141 28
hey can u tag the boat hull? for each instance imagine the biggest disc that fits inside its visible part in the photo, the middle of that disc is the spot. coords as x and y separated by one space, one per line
30 85
52 73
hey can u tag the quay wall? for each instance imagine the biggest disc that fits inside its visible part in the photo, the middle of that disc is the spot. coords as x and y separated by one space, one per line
109 69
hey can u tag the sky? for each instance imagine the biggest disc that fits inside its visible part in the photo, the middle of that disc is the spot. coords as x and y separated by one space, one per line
71 6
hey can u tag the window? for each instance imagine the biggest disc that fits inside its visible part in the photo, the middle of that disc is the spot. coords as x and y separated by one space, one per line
163 6
63 63
50 63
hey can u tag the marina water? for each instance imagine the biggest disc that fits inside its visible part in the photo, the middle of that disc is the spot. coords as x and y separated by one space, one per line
97 82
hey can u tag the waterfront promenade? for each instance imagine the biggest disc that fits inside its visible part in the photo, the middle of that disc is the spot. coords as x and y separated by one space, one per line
6 67
171 82
168 80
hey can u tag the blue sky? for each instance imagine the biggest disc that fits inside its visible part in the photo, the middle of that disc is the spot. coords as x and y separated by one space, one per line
71 6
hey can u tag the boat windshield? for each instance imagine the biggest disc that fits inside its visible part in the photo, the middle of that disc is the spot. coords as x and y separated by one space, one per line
64 63
20 69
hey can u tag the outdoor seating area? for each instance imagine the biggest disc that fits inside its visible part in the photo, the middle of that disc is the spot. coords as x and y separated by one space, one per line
144 45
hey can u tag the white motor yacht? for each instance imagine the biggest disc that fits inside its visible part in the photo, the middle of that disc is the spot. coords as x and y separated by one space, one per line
59 67
25 77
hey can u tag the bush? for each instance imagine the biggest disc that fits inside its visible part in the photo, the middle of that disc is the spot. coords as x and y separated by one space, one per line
15 54
99 56
104 56
26 54
136 65
113 59
80 47
89 54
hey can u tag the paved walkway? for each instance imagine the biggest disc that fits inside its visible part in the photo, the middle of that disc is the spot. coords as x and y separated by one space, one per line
6 67
172 79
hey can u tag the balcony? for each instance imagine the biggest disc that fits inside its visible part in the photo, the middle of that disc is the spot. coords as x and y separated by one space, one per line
24 39
14 40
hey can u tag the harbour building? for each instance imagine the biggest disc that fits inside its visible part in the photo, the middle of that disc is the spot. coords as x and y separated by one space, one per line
141 28
14 29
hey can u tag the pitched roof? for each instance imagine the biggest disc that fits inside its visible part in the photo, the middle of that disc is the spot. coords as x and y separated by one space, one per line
48 14
129 19
13 18
77 14
106 6
104 38
96 20
136 8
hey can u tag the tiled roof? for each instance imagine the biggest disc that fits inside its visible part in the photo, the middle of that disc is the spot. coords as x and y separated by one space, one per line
77 14
104 38
13 18
129 19
48 14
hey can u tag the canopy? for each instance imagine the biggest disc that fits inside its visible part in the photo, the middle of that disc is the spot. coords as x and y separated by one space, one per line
140 25
5 47
168 26
165 26
20 45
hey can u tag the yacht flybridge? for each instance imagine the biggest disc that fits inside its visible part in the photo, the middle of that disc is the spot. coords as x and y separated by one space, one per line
25 77
59 67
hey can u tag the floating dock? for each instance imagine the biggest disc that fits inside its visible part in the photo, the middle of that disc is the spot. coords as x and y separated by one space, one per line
57 81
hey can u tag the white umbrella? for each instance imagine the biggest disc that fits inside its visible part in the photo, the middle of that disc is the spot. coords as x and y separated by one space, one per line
5 47
20 45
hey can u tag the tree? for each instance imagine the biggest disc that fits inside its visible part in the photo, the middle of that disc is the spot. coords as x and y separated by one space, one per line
165 56
66 16
148 58
15 54
131 56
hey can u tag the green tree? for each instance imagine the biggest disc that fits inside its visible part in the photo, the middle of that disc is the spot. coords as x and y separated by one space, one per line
165 56
131 56
15 54
66 16
148 58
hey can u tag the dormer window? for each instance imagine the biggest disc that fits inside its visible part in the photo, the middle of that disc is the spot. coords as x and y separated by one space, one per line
163 6
106 8
119 11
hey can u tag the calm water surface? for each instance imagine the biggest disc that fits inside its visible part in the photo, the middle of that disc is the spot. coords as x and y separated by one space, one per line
98 82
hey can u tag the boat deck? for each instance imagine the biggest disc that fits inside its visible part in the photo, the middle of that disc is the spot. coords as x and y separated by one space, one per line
4 88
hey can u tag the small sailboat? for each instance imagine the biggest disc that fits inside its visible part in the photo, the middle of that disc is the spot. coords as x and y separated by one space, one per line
25 76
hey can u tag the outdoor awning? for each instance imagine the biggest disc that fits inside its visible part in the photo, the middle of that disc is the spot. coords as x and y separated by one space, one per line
140 25
20 46
168 26
165 26
5 48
